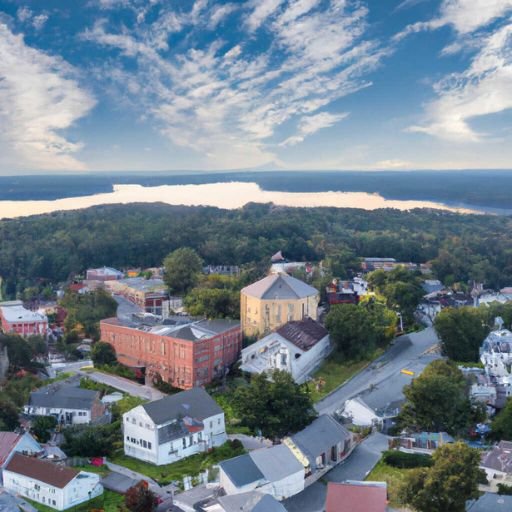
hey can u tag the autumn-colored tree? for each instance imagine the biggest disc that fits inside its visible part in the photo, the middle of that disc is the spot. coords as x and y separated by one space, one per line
140 498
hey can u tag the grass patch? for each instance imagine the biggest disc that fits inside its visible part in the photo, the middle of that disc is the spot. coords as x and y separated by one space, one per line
99 470
334 372
108 502
190 466
394 477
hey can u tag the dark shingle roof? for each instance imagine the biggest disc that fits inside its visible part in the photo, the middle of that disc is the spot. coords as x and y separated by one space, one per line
47 472
63 395
303 333
242 470
195 403
320 436
252 501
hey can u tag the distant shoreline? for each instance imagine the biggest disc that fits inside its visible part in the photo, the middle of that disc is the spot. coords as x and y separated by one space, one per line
483 191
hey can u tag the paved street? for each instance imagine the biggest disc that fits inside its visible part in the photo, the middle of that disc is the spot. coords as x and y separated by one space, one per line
405 353
125 385
356 467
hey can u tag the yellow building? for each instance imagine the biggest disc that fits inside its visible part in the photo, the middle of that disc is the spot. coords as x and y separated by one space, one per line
275 300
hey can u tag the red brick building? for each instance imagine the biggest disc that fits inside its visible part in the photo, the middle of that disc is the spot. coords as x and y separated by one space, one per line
16 319
186 355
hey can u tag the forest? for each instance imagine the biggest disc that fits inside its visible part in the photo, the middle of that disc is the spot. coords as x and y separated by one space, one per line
44 250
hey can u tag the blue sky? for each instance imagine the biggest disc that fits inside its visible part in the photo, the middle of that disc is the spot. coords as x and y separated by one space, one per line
291 84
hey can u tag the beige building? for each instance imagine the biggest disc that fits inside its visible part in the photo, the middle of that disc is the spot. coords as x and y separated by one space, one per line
275 300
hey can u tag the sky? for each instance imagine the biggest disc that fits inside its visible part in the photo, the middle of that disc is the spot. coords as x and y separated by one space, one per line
153 85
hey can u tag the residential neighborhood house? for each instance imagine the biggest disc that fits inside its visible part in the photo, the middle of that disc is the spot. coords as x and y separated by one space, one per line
298 347
275 300
177 426
355 496
252 501
321 445
275 471
11 443
58 487
497 463
184 353
68 403
16 319
103 274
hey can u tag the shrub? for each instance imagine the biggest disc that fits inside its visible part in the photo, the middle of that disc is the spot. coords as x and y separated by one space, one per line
403 460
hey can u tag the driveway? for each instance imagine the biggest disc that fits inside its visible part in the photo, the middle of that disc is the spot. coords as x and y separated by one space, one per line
125 385
407 352
356 467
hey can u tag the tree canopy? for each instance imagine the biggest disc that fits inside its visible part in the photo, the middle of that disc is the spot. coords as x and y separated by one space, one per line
140 498
502 422
445 486
181 270
356 330
277 407
437 400
461 331
103 353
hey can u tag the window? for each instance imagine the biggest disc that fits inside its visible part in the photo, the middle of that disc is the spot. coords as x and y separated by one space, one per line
149 445
54 502
218 421
37 487
184 443
190 440
144 444
211 424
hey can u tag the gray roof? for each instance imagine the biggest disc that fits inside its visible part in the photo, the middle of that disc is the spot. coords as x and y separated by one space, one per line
280 287
250 502
490 502
499 458
195 403
118 483
63 395
276 462
320 436
242 470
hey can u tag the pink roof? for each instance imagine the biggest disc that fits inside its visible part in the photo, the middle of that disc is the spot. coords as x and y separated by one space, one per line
8 441
356 498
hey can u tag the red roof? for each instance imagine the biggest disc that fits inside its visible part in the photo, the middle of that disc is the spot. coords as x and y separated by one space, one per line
356 498
8 441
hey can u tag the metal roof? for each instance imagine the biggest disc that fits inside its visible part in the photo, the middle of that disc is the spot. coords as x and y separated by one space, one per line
63 395
320 436
276 462
280 287
242 470
252 501
195 403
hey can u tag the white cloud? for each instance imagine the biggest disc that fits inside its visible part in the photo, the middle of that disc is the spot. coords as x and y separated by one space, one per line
24 14
311 124
39 21
227 100
394 163
484 88
262 9
38 99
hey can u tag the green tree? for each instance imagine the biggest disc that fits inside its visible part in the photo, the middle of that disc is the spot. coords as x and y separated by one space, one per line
356 330
437 400
461 331
140 498
92 440
445 486
277 407
213 303
181 270
42 426
502 422
103 353
9 414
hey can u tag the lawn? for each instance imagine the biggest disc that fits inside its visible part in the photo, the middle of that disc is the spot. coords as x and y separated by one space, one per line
108 502
334 372
392 476
190 466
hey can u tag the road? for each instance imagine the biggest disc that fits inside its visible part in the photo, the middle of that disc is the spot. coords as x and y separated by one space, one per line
356 467
407 352
125 385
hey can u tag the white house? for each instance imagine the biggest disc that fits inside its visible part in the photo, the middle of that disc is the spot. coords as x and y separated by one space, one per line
68 403
55 486
177 426
298 347
275 471
11 443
